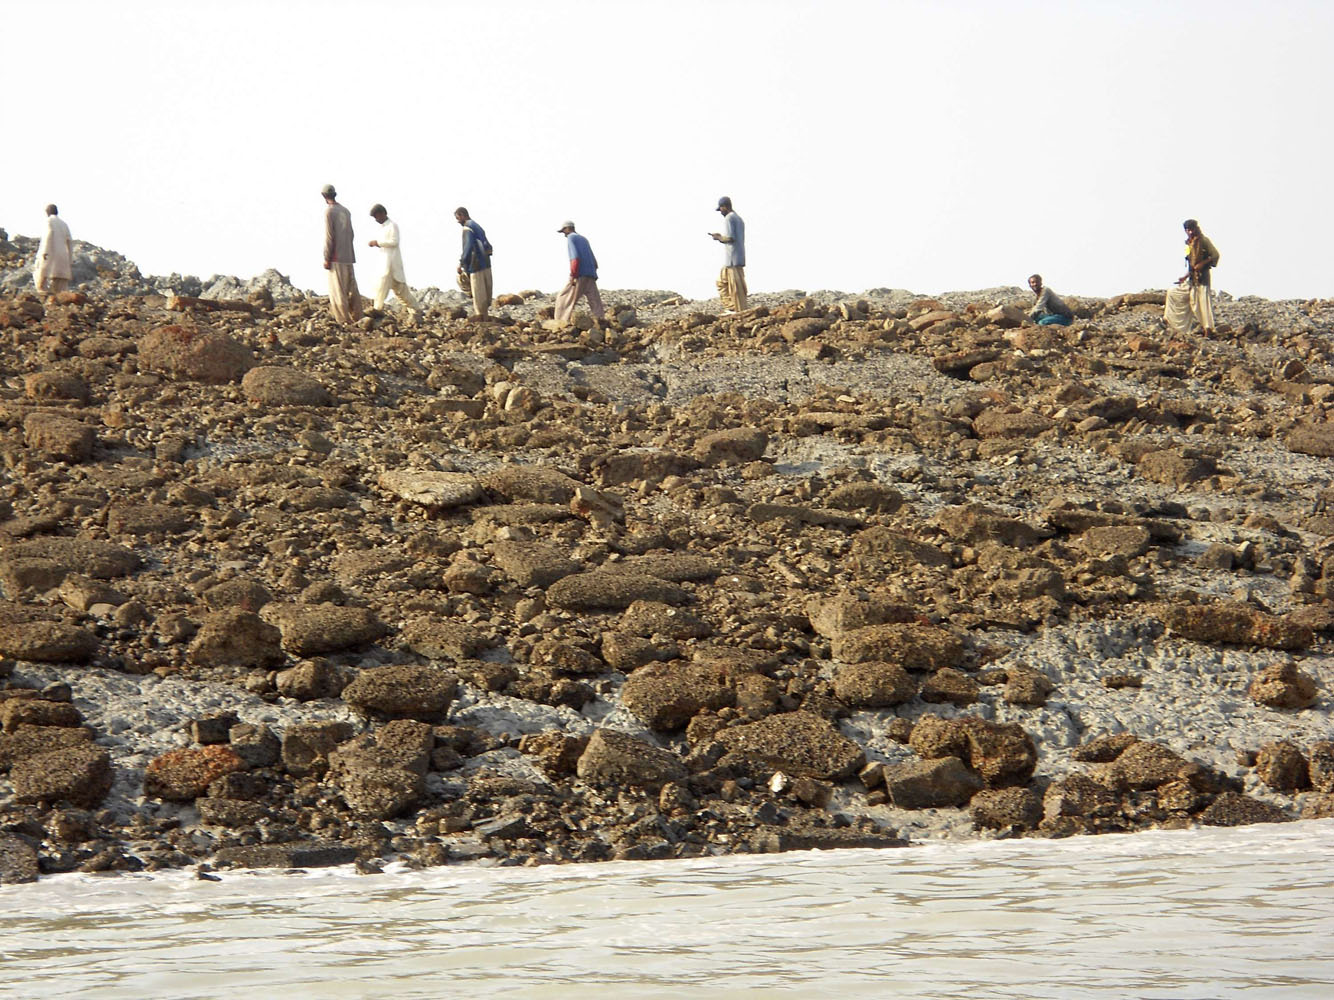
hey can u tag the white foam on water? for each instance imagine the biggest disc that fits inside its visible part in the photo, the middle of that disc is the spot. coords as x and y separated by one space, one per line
1200 913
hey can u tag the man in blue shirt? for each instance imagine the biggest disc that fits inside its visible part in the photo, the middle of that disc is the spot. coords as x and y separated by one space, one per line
732 278
583 281
475 262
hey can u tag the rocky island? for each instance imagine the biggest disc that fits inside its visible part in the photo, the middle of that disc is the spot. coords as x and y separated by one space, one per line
842 570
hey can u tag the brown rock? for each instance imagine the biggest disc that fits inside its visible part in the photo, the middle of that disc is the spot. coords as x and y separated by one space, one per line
309 630
873 684
16 712
797 743
915 647
1176 467
996 423
870 496
147 519
556 753
272 385
1235 623
1282 685
191 355
1026 687
57 438
1002 753
1081 796
309 680
30 741
532 483
949 685
602 590
883 547
735 446
1320 770
533 564
404 692
614 758
667 696
185 774
235 637
79 775
1282 767
47 642
1235 809
931 784
831 617
306 746
1018 809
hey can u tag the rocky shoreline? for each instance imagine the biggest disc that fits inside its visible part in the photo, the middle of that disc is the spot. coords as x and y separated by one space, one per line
839 571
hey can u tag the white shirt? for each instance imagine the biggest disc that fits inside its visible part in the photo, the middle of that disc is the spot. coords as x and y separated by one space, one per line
393 259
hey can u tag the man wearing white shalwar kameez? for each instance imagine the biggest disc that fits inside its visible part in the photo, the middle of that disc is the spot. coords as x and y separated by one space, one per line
51 269
393 278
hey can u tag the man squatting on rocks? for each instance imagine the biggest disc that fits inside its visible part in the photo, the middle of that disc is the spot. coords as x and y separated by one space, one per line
583 277
339 256
475 263
1049 309
393 277
732 278
55 255
1191 302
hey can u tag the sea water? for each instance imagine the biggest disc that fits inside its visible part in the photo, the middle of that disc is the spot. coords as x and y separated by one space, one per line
1245 912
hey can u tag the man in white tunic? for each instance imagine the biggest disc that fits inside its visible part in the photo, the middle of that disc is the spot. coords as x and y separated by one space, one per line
393 278
55 254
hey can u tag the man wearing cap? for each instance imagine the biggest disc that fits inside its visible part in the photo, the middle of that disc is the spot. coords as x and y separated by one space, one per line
393 278
51 270
583 281
732 278
475 262
1049 309
339 256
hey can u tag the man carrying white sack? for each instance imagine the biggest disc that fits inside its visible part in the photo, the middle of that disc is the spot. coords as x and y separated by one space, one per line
393 278
1191 302
51 269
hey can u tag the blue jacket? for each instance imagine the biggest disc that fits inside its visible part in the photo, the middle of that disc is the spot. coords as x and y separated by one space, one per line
582 262
476 250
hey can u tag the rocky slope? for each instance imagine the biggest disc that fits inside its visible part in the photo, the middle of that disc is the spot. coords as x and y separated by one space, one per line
840 571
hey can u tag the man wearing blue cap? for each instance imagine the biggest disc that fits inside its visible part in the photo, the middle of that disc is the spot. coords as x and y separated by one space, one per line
732 278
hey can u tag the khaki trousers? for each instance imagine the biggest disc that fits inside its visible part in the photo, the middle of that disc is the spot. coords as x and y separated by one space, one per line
479 282
388 284
344 298
53 286
574 290
732 287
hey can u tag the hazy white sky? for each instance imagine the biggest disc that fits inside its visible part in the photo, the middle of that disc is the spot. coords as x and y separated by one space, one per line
925 145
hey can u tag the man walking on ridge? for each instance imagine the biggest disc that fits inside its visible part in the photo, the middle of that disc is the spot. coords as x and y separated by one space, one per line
583 281
475 262
393 278
1191 302
51 268
339 256
1049 309
732 278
